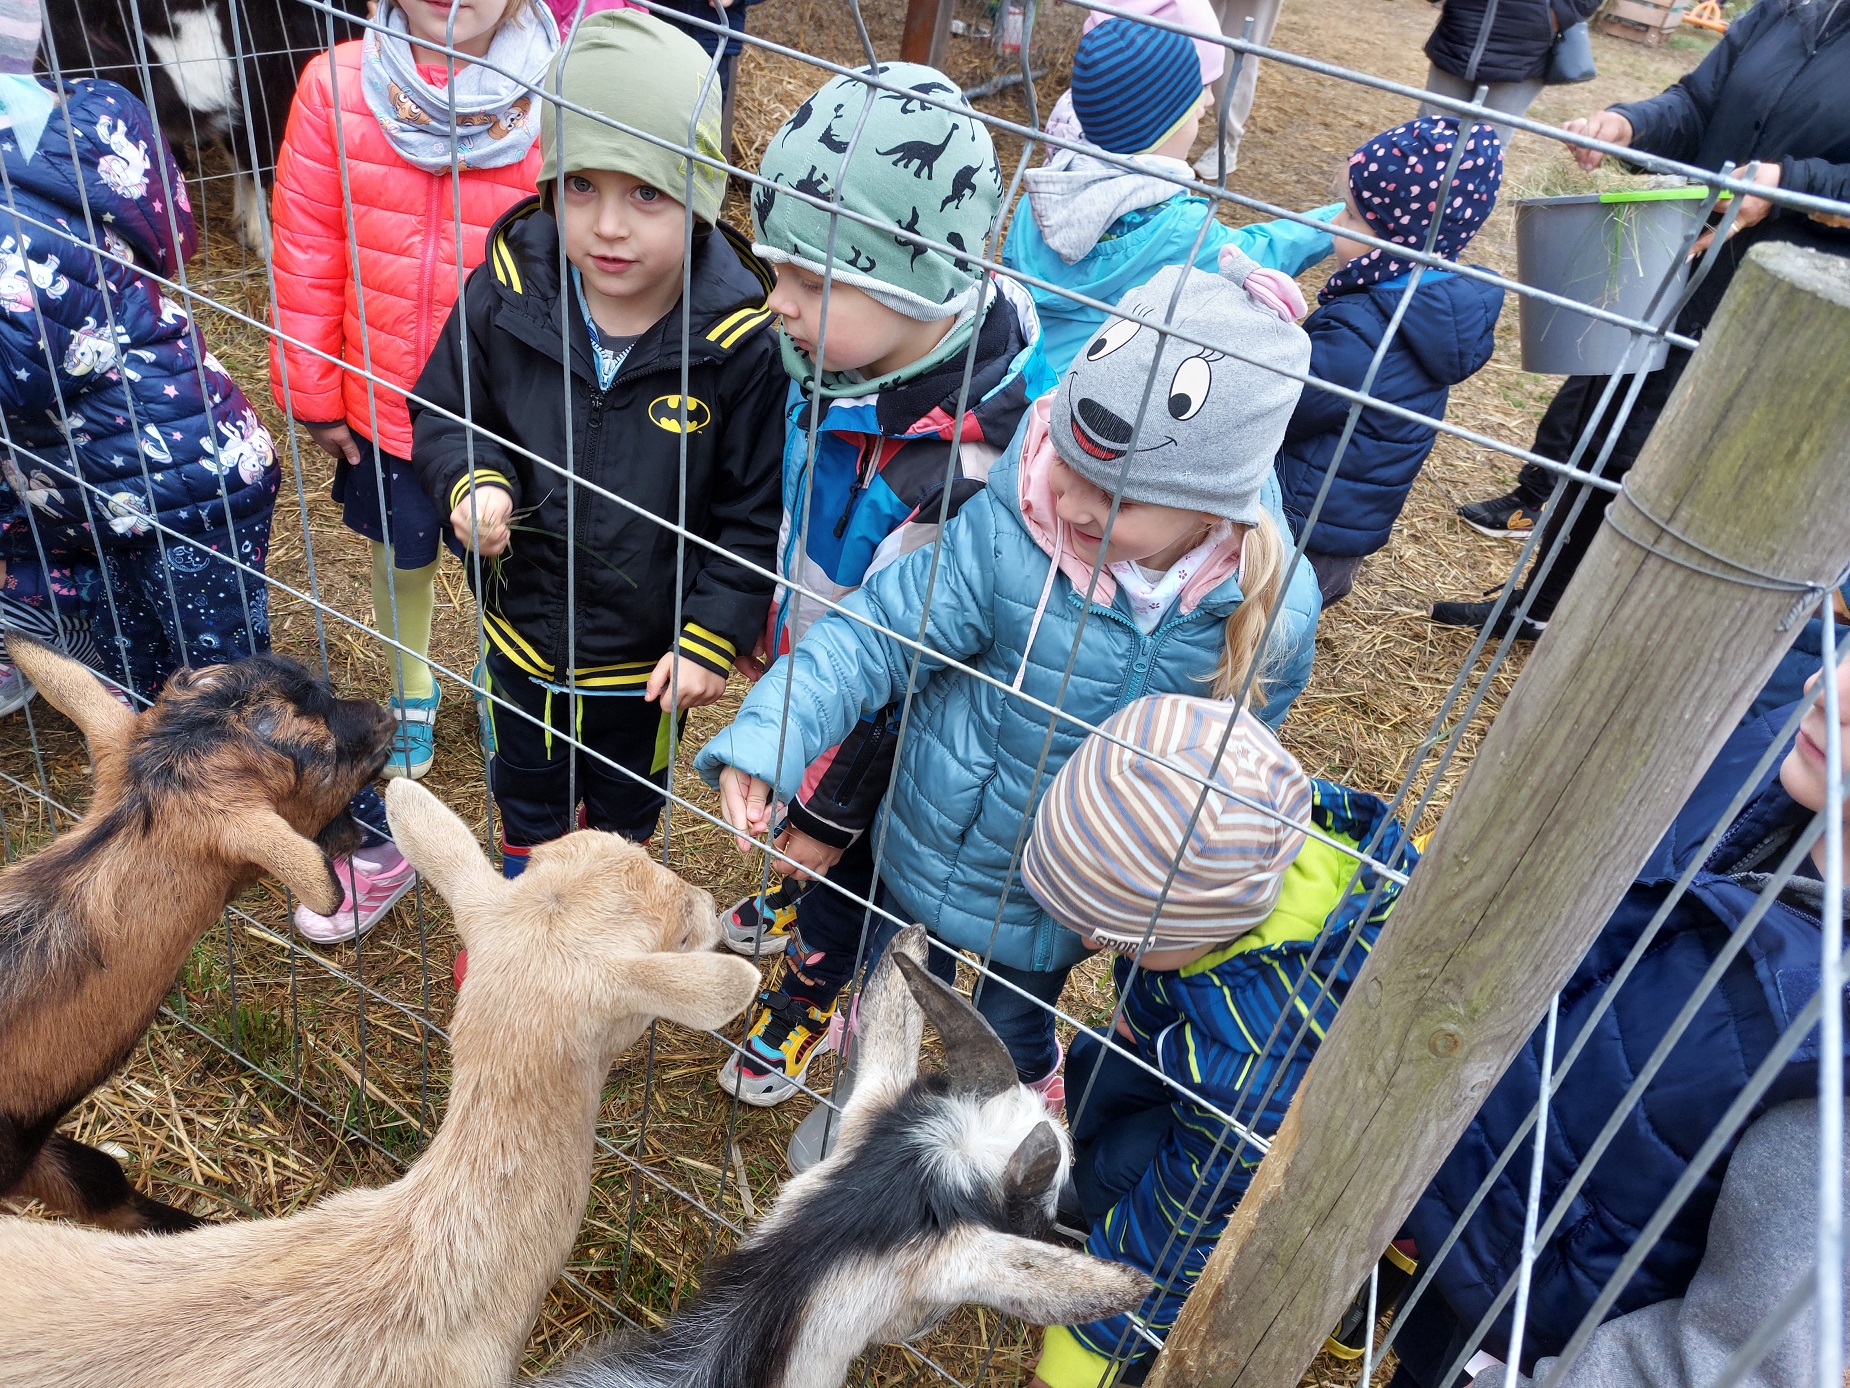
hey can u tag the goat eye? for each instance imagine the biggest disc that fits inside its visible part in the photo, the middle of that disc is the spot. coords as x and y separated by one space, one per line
1118 332
1189 391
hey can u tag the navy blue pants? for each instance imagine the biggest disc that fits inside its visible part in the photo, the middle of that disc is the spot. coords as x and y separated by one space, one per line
829 927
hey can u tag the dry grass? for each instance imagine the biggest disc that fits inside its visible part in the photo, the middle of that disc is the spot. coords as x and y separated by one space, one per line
229 1137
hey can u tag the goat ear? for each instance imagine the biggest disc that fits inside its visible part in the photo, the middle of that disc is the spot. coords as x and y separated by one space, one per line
1042 1283
264 837
889 1027
975 1060
440 846
699 991
74 690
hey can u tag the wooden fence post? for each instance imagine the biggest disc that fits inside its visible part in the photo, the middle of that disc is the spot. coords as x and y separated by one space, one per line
1645 668
928 29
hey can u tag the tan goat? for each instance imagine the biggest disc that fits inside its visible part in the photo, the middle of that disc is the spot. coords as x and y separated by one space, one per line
222 780
433 1282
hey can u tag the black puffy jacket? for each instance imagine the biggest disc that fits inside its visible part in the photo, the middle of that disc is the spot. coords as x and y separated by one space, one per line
625 441
1515 49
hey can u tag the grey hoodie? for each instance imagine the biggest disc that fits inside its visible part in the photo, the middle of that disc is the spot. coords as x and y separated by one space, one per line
1763 1237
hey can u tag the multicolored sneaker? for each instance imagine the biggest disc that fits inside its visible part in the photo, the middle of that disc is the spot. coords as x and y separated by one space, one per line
761 925
16 691
372 882
414 746
788 1034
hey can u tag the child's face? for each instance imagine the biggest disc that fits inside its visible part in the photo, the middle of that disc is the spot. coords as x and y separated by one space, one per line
1349 220
1182 139
627 239
1147 534
476 22
864 335
1802 772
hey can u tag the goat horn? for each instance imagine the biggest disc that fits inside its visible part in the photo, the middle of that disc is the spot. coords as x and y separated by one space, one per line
975 1059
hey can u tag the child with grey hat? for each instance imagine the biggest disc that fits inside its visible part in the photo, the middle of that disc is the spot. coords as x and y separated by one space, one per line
1225 922
1049 594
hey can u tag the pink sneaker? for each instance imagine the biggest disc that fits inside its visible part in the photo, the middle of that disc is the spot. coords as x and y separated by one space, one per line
373 880
1052 1086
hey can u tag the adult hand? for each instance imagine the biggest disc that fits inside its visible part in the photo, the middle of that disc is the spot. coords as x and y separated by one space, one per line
335 440
1609 126
481 519
812 857
1753 210
692 685
745 804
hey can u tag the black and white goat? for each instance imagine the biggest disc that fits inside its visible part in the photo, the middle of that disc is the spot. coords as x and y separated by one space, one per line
940 1192
215 73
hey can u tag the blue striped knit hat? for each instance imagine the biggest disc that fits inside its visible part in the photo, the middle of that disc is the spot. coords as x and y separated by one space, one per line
1111 826
1133 84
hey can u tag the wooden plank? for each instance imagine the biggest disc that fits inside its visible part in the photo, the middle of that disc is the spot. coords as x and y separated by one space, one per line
1645 668
928 29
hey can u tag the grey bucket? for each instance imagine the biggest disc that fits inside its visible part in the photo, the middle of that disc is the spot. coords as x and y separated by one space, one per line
1607 250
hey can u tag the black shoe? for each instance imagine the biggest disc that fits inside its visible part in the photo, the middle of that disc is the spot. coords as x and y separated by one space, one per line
1475 614
1501 515
1394 1276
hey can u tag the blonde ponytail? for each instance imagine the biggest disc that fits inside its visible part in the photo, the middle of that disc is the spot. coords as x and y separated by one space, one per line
1262 574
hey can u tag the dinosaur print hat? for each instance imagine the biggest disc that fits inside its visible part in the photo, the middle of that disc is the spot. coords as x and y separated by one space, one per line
908 166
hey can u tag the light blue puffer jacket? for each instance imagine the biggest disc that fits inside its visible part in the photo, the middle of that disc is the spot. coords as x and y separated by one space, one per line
967 781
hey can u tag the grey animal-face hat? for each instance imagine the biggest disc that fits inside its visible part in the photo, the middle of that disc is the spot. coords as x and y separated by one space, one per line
1214 422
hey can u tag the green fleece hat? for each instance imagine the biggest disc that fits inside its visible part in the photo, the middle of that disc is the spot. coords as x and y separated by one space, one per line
632 67
914 168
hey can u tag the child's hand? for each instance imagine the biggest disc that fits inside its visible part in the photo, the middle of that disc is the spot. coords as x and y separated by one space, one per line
335 440
813 857
488 510
693 686
745 804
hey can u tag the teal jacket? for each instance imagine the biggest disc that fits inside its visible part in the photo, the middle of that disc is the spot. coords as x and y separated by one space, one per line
967 778
1135 247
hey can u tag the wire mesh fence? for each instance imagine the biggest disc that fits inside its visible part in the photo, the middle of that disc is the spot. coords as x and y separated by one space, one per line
287 1064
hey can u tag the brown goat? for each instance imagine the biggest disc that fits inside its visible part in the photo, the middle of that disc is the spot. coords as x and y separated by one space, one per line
432 1282
223 779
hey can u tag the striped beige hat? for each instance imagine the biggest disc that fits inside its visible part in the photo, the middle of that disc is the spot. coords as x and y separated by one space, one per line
1111 825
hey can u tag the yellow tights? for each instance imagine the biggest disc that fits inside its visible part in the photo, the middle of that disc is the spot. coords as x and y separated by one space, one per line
413 593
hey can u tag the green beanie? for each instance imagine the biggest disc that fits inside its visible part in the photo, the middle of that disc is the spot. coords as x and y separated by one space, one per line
915 168
632 67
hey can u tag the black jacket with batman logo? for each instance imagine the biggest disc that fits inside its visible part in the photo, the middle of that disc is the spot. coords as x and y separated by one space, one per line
624 459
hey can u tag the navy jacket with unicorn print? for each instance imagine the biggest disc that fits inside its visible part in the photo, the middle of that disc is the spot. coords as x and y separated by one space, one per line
116 414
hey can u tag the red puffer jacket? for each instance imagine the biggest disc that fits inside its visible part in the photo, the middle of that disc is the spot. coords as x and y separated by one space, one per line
404 223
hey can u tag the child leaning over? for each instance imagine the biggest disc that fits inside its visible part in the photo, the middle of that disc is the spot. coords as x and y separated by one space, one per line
897 427
1208 964
617 672
1446 334
368 261
1094 227
1180 591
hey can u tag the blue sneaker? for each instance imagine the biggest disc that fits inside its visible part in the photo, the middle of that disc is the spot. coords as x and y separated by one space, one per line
415 745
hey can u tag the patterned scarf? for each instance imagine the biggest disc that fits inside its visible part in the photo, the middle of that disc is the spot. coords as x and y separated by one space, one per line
489 118
1394 180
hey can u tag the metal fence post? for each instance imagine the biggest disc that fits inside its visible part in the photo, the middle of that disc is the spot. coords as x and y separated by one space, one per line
1735 521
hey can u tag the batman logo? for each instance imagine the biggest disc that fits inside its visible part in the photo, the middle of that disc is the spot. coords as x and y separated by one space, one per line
665 413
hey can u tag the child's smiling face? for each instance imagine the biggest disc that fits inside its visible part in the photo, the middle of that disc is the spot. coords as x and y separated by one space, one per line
628 240
1144 533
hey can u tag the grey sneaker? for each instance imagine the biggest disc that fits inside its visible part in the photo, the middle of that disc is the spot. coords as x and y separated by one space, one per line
815 1136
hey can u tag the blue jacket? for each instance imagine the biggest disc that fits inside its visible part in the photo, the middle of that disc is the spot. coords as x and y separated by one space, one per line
967 779
1449 331
147 398
1209 1027
1137 245
1761 992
